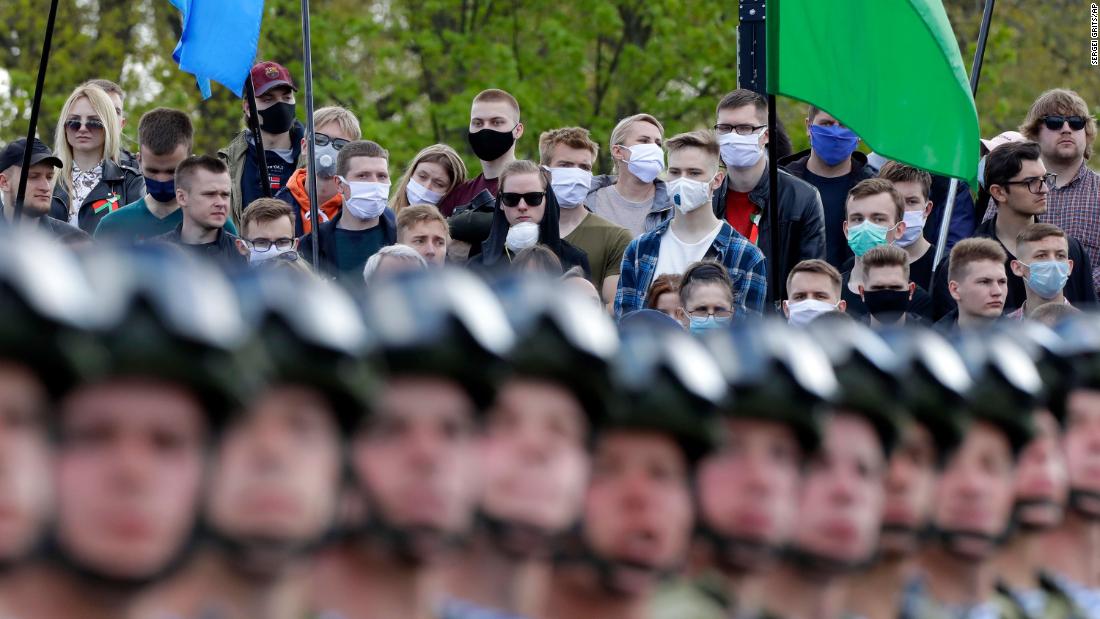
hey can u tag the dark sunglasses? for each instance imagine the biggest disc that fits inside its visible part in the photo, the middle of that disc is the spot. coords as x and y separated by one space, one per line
533 198
1055 122
74 124
323 140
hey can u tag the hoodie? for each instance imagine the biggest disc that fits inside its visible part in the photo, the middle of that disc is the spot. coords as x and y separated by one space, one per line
296 194
493 255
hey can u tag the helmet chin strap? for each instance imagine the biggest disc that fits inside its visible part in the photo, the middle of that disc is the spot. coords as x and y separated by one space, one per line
821 566
519 541
574 550
1085 503
262 557
913 536
961 542
1020 521
412 545
737 554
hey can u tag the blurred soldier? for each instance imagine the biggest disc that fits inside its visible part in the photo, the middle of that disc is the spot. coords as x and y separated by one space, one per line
748 489
934 382
414 458
279 468
841 503
132 439
536 445
36 366
638 510
976 493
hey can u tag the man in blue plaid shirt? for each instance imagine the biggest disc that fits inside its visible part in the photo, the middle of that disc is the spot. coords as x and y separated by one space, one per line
693 234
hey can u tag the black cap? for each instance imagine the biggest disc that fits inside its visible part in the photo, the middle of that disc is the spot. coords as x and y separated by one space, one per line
13 154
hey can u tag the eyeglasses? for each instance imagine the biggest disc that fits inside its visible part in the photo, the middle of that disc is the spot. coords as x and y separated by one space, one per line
533 198
262 245
703 312
93 124
1054 122
1035 185
725 129
321 139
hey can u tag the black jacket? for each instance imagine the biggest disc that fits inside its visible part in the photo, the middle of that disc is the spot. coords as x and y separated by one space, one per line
326 242
120 185
472 222
493 255
801 221
1079 288
223 252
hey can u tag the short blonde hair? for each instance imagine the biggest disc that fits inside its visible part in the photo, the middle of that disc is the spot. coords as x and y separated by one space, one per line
573 137
523 166
618 134
421 213
968 251
490 95
817 267
112 138
342 117
883 257
436 153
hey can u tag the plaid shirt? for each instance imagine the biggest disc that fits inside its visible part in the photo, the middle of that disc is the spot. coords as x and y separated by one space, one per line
1075 208
743 261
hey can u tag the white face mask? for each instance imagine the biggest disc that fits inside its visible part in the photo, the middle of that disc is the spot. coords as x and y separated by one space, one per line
688 194
803 312
570 186
419 194
522 235
256 257
914 225
647 161
368 199
740 151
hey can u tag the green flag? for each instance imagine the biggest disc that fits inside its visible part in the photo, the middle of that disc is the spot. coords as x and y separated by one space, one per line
890 70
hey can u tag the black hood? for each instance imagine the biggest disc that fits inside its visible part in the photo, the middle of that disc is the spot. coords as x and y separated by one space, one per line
492 250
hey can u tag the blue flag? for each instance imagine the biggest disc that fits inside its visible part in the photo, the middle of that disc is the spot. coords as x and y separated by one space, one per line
219 41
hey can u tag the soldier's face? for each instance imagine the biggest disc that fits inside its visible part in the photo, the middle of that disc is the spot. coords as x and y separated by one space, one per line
842 498
1081 440
1042 483
749 489
417 455
25 487
638 507
278 469
910 489
536 465
129 474
976 492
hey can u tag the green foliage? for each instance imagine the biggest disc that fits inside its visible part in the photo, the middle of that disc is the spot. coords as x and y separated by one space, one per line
409 68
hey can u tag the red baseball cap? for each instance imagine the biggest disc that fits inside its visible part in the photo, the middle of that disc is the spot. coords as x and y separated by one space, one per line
267 75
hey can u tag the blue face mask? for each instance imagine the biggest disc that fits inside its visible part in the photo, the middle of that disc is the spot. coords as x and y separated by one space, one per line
1047 279
161 191
702 325
866 236
833 144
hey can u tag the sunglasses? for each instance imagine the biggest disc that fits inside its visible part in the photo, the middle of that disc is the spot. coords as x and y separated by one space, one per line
323 140
1055 122
74 124
533 198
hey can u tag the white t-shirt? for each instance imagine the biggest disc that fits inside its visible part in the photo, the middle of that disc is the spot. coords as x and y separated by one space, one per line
676 256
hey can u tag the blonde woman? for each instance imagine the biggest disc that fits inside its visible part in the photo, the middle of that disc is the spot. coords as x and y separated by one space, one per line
92 182
433 173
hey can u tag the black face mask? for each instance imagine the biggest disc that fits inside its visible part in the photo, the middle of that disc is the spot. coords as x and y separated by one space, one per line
886 305
490 145
278 118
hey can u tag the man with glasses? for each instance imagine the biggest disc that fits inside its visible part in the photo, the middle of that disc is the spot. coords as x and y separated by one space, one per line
694 233
334 127
742 199
267 232
1021 187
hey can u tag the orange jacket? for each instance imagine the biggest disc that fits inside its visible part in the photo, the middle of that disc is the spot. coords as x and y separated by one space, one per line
297 187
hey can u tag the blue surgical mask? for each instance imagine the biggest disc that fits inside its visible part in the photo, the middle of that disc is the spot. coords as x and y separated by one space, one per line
702 325
1047 278
833 144
866 236
161 191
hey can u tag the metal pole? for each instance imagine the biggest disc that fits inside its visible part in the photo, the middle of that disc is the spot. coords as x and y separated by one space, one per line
311 177
774 276
752 65
36 105
257 139
953 188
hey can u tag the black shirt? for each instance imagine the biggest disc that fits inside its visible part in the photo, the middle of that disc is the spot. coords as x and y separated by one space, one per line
354 248
921 303
834 193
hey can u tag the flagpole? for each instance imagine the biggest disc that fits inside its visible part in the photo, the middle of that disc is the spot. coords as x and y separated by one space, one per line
257 139
311 176
775 278
953 188
36 105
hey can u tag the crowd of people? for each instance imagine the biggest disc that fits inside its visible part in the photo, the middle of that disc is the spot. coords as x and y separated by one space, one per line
537 392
